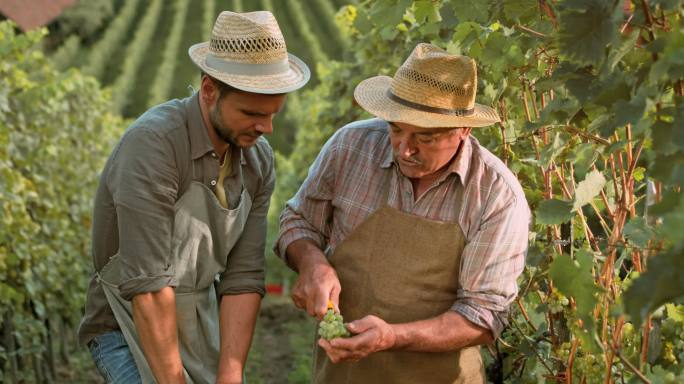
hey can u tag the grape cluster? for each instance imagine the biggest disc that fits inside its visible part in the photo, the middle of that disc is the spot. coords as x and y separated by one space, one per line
672 332
556 302
591 367
332 326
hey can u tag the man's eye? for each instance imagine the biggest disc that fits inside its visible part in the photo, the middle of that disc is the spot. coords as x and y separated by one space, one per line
425 139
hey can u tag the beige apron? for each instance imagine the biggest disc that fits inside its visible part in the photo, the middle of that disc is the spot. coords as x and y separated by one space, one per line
401 268
204 234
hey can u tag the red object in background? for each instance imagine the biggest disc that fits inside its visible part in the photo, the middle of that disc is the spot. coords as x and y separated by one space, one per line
274 289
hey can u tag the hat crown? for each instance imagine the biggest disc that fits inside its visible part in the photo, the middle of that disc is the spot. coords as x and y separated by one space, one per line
251 38
435 78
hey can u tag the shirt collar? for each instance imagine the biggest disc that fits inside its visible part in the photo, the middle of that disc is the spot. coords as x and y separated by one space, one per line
200 143
459 165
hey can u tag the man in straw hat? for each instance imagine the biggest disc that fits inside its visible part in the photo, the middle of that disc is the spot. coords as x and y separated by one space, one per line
180 217
411 228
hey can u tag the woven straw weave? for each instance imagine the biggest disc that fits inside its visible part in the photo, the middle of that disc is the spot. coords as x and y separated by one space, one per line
437 89
253 40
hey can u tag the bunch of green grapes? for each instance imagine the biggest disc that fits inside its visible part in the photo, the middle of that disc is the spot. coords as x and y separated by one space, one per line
332 326
556 302
590 367
672 332
630 346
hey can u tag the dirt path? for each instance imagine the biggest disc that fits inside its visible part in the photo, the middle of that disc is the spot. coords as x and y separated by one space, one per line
281 349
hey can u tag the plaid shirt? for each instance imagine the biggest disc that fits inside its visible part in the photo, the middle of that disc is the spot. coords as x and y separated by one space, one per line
344 187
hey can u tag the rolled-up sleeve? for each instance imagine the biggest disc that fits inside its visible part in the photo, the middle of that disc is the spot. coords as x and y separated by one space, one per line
308 214
491 262
245 271
143 180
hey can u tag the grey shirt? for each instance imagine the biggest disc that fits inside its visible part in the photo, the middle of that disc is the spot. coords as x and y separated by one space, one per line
162 152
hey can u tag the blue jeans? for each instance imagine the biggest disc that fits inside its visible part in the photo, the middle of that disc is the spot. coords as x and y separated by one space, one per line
113 358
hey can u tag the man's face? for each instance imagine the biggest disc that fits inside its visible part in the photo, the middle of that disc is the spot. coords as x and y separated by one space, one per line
239 118
421 152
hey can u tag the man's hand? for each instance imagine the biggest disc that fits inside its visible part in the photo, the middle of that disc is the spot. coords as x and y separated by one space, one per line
317 282
372 335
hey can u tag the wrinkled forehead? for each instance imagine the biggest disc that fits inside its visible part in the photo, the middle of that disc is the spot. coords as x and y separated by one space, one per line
410 128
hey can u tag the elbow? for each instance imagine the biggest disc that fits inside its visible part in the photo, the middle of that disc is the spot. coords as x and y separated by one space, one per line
146 304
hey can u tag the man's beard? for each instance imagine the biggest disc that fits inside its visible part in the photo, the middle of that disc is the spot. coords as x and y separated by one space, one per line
222 131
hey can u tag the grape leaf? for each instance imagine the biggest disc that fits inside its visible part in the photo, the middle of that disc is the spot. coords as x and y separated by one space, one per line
588 189
574 278
586 28
662 283
553 211
638 231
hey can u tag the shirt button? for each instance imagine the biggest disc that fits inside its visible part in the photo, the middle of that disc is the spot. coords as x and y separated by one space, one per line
213 154
213 183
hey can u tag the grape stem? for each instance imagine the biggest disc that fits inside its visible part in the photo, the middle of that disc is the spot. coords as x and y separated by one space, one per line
634 369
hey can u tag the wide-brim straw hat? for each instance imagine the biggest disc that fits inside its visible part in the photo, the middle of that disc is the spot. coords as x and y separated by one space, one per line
247 51
431 89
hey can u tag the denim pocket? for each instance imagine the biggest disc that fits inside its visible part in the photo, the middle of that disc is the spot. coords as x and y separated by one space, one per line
95 348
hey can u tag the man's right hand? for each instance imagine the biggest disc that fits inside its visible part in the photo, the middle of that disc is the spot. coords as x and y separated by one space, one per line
317 282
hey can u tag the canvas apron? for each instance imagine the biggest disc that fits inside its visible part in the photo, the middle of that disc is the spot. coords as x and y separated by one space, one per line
204 234
401 268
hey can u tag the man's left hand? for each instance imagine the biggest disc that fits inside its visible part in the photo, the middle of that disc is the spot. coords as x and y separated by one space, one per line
372 334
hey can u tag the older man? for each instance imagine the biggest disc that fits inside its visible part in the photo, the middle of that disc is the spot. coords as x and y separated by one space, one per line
415 231
180 217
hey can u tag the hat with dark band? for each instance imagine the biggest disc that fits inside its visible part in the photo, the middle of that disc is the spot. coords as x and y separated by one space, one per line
431 89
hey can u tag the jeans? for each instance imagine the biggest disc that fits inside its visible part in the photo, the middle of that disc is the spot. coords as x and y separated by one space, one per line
113 358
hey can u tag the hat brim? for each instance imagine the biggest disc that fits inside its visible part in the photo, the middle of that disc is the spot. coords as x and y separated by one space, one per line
371 94
294 78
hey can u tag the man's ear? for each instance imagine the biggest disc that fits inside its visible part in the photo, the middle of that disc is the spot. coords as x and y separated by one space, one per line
208 91
464 132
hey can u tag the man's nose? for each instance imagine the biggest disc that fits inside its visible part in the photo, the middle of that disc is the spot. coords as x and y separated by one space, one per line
264 127
406 150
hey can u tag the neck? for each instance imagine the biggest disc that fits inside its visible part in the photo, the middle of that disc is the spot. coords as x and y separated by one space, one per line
220 146
421 184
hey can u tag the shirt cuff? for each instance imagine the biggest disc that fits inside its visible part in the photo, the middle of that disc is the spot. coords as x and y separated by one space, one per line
240 286
145 284
292 235
495 321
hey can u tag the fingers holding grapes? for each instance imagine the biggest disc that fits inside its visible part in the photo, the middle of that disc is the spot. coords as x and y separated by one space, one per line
315 285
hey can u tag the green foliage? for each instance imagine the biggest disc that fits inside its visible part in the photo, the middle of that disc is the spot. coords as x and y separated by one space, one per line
56 129
553 211
586 28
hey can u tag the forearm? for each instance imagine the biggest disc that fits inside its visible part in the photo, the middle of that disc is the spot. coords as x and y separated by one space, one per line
305 253
238 315
446 332
154 315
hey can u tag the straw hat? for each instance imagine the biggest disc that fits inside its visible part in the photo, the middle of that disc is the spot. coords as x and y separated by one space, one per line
431 89
247 51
